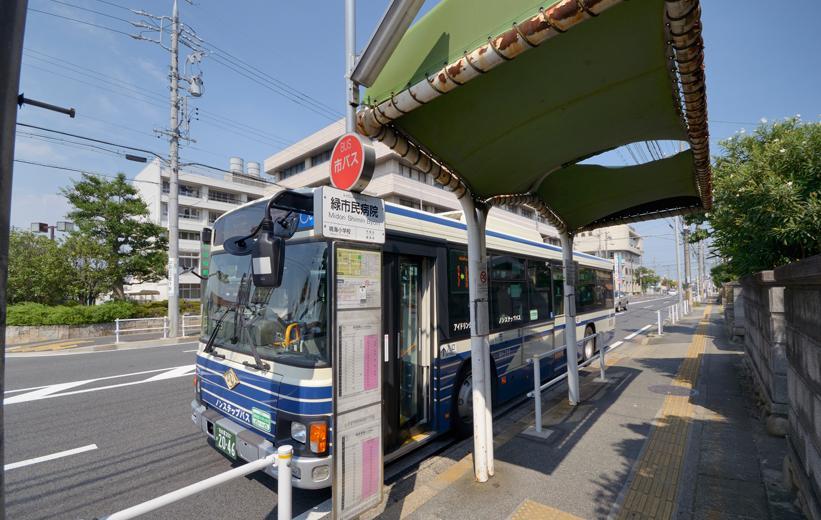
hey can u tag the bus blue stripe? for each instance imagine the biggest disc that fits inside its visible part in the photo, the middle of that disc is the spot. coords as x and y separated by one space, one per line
405 212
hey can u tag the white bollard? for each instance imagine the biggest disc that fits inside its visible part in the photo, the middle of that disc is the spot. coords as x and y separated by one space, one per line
164 327
284 482
116 330
183 325
659 326
602 375
537 391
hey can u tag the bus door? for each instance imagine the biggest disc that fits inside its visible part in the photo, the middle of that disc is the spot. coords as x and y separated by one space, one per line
407 305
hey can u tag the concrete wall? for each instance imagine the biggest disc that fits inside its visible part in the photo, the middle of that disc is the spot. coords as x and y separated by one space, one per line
762 300
733 310
18 335
802 312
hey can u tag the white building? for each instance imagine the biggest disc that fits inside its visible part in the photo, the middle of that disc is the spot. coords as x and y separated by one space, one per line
394 180
204 195
621 243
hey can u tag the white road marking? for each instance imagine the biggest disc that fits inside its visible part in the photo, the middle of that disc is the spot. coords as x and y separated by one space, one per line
633 335
653 300
316 512
44 458
58 390
193 350
615 345
154 371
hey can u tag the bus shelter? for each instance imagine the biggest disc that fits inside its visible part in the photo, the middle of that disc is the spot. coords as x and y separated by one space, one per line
502 102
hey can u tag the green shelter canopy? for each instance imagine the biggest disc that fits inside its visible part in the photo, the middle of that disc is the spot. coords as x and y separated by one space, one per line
506 98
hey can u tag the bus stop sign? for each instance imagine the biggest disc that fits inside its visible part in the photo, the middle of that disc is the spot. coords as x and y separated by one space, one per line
352 163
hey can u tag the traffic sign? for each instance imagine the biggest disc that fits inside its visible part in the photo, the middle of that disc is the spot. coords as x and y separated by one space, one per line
352 163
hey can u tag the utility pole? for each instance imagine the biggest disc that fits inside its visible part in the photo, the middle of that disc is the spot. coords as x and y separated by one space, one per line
173 181
351 89
677 233
179 34
12 28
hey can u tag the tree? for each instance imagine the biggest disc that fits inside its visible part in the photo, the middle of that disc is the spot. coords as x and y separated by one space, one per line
112 214
90 275
721 275
647 277
38 271
767 189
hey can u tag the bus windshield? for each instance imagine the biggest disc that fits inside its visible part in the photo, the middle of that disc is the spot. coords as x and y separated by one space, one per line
287 324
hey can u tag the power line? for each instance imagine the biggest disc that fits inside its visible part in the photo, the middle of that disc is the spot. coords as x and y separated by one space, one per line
98 26
74 6
87 172
278 82
90 139
151 96
256 79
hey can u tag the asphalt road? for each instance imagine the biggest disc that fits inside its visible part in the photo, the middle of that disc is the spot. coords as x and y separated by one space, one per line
123 418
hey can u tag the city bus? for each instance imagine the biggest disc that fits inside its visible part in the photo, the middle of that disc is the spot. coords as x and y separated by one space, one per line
263 367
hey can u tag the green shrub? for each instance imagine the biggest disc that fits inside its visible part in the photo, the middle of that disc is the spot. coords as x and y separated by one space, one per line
39 314
27 314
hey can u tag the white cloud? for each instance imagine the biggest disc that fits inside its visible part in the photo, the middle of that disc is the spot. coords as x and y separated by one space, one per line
31 150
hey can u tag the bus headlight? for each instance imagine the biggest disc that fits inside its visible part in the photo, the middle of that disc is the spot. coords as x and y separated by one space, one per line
299 432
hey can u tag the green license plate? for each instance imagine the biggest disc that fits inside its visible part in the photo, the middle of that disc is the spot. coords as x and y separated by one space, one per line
225 441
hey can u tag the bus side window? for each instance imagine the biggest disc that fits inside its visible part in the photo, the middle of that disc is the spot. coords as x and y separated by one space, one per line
458 296
508 291
538 289
558 289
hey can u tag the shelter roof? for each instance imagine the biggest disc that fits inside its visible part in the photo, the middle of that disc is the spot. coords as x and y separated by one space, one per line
506 98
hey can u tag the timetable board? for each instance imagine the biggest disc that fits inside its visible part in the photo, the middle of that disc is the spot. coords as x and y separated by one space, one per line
357 379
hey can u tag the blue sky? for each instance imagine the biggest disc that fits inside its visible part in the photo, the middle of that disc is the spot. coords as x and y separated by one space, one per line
757 67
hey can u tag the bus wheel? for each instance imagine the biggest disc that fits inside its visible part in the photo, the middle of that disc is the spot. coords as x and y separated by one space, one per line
589 345
463 404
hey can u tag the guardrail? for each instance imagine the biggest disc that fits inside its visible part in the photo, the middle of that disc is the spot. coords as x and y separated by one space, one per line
281 459
122 327
537 374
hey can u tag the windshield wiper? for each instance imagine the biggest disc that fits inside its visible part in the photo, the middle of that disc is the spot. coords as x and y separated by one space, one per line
241 306
209 346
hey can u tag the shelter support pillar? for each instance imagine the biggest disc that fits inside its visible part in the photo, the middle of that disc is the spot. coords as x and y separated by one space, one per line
481 217
479 345
570 318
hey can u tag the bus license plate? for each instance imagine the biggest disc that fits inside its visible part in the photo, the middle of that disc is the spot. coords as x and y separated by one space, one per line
225 441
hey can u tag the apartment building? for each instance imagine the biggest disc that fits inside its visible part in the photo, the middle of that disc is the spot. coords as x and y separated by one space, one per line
204 195
621 243
304 164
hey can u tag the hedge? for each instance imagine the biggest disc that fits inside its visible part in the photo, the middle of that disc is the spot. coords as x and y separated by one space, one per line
38 314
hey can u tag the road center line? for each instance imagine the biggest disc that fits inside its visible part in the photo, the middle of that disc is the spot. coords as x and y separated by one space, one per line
44 458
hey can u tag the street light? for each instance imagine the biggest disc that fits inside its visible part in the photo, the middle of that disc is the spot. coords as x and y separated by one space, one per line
63 226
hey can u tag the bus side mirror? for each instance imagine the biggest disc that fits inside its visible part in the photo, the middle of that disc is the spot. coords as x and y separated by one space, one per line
268 260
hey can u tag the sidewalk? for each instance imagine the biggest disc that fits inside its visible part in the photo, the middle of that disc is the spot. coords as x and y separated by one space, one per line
671 435
98 344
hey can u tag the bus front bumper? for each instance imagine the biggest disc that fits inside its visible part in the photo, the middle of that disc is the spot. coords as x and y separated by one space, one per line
306 472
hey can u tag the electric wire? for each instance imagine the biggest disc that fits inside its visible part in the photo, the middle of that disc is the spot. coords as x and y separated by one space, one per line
74 6
84 22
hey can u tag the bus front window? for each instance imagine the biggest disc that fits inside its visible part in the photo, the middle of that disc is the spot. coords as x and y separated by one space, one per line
287 324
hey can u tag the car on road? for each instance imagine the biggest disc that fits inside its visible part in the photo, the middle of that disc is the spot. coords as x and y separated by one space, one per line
621 301
672 293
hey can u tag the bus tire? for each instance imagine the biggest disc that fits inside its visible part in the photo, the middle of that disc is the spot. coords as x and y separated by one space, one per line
462 411
589 348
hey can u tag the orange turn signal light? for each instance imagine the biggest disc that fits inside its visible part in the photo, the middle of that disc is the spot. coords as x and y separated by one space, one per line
318 435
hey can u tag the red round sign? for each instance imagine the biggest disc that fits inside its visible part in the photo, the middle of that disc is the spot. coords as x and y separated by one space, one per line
352 163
